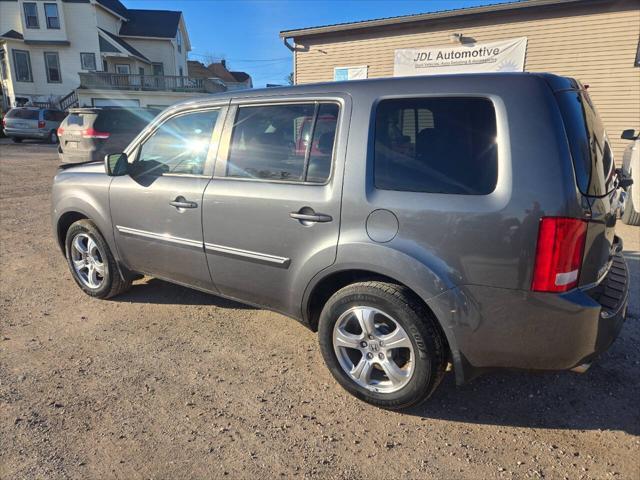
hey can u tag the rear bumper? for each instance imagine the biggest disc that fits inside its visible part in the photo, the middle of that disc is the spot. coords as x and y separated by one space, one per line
491 327
18 133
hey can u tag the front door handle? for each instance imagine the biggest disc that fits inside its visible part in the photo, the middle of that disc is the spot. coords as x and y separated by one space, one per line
181 202
307 216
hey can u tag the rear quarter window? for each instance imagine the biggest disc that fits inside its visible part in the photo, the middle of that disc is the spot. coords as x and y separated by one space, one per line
436 145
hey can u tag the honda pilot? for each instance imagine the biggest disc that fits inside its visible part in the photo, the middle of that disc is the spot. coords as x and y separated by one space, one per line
417 224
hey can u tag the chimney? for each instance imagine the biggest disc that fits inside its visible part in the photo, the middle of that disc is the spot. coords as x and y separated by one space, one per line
224 63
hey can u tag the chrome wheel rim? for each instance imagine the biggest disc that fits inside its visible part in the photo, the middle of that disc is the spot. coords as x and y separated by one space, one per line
373 349
87 261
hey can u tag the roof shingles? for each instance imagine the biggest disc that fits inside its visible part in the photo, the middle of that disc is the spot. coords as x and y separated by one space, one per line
151 23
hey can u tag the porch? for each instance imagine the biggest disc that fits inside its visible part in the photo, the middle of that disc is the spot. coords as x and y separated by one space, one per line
152 83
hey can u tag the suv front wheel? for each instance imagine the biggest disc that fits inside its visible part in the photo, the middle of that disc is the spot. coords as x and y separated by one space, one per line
91 262
382 345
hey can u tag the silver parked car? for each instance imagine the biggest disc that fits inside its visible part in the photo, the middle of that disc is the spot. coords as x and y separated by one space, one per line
32 122
413 222
631 170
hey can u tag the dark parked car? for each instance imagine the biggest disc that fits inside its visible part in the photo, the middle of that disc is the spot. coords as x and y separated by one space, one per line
463 219
32 122
87 134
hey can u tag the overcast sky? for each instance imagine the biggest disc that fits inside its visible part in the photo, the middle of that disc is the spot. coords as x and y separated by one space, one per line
245 32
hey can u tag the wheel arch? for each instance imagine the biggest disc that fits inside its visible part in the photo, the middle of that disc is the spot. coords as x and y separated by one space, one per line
64 223
333 281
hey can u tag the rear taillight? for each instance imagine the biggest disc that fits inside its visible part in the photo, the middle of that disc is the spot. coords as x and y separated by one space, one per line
41 124
91 133
558 254
4 122
60 131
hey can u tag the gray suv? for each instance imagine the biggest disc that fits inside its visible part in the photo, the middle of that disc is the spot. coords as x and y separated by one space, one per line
413 222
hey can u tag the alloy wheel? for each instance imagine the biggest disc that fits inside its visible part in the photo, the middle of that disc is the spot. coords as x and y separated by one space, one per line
373 349
88 261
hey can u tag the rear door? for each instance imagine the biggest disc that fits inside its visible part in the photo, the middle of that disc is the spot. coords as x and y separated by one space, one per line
594 166
271 214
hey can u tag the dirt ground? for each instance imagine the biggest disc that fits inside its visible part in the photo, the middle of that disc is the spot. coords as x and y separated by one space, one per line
167 382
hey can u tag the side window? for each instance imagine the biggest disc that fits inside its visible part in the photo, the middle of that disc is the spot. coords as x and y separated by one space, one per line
179 146
283 142
436 145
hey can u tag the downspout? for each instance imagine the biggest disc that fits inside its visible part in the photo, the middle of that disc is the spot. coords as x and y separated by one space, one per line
293 50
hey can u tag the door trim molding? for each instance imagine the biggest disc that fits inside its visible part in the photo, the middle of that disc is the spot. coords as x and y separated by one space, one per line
163 237
274 260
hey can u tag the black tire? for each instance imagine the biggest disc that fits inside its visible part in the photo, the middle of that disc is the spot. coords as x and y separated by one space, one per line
631 216
408 311
16 140
112 283
53 137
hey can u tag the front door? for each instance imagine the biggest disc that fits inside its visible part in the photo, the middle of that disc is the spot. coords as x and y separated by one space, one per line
271 214
156 209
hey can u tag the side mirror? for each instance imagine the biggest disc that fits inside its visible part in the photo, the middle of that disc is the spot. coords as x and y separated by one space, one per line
628 134
116 164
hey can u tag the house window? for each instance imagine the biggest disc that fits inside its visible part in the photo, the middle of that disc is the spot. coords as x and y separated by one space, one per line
51 14
31 15
141 71
22 64
123 68
181 71
105 65
88 61
179 40
3 65
158 69
52 66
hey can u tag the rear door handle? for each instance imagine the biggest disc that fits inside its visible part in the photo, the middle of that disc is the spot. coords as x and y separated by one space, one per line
181 202
311 217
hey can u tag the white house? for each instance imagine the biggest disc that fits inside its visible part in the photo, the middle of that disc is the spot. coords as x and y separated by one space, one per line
93 52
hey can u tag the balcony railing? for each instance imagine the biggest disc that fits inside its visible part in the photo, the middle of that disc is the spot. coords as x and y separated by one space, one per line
120 81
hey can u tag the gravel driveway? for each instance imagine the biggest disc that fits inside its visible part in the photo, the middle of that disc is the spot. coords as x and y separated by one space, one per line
167 382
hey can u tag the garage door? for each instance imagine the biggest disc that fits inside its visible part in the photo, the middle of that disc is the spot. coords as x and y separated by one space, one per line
114 102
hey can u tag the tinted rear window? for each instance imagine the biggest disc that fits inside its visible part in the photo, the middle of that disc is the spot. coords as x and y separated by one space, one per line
123 120
590 150
436 145
23 114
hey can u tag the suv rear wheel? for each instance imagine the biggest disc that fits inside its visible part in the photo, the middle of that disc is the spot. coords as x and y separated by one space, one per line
91 263
382 345
16 139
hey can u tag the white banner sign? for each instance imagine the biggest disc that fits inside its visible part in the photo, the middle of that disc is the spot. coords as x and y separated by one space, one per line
503 56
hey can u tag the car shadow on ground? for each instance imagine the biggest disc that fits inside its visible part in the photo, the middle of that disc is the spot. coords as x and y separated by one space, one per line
604 398
152 290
